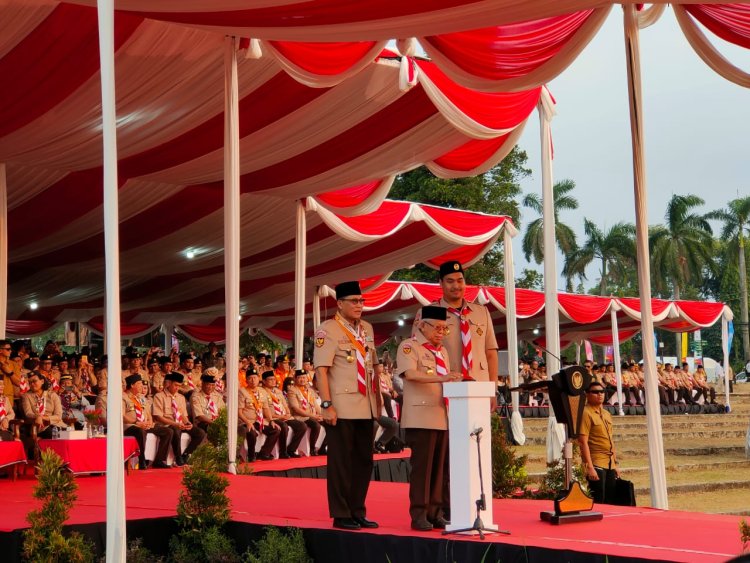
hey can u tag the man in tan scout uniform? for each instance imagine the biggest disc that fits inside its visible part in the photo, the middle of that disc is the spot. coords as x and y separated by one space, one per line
281 415
170 409
255 414
350 395
302 403
138 422
425 365
470 323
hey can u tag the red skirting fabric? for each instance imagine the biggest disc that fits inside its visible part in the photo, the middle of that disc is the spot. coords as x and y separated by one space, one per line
87 456
11 453
731 22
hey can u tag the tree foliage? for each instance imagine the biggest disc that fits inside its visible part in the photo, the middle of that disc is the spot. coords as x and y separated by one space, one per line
533 239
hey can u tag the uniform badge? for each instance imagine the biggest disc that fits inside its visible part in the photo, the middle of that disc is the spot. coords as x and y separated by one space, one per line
350 359
479 331
320 338
407 349
430 371
456 266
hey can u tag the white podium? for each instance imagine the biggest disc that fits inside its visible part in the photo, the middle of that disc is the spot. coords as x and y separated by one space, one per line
469 410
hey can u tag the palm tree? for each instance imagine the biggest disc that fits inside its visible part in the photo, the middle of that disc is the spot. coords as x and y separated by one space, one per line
736 220
613 248
681 248
533 240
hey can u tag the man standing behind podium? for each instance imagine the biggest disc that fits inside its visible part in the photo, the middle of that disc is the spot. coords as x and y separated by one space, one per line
470 340
425 365
350 395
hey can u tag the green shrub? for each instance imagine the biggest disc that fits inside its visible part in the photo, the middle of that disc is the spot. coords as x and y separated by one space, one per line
554 479
744 534
278 547
508 469
44 541
218 436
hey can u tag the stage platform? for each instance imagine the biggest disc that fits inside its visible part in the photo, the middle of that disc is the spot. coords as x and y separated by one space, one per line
625 534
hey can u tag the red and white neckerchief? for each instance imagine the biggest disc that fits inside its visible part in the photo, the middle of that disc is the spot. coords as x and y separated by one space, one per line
212 410
3 412
258 405
40 405
86 383
304 402
440 367
357 340
466 359
23 387
176 414
220 386
140 416
55 385
278 408
190 382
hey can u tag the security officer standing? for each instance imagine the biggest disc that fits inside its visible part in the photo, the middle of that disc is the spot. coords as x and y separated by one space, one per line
350 395
425 365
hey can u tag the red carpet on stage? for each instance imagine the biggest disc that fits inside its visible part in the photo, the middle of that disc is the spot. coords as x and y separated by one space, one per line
625 532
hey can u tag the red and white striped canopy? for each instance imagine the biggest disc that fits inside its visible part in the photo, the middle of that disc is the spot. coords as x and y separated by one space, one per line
191 290
392 305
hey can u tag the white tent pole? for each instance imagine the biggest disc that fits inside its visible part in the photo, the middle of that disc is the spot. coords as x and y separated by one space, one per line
232 240
725 352
3 249
616 348
578 353
168 329
316 307
653 414
300 270
551 319
115 530
511 329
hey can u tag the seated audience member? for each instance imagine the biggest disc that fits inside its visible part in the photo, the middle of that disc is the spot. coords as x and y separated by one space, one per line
49 372
302 404
6 414
207 402
609 380
282 416
282 370
702 387
84 379
42 407
100 404
186 368
138 422
170 409
255 414
211 356
72 401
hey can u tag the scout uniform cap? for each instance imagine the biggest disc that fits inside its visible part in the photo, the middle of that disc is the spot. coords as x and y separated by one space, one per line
345 289
282 358
165 360
434 312
132 380
152 361
66 376
298 372
250 371
206 378
213 372
450 267
185 356
268 373
174 376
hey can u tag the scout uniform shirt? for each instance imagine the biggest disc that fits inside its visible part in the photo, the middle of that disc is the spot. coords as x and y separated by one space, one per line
246 405
482 339
334 350
46 405
134 410
303 399
424 406
6 409
168 406
276 402
208 406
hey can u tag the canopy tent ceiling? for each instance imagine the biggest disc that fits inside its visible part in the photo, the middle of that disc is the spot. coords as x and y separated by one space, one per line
187 290
582 317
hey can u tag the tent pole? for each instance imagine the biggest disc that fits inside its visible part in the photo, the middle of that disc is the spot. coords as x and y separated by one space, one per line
316 308
232 241
115 484
653 414
3 250
725 351
512 333
616 359
300 270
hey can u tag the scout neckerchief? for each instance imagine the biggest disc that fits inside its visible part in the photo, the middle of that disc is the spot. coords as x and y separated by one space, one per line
23 387
212 410
3 412
54 384
189 377
40 404
466 359
358 342
220 386
140 416
304 402
257 405
440 367
176 414
278 408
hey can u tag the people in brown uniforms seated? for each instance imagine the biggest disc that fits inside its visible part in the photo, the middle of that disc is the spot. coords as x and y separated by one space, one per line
281 415
138 422
350 395
255 414
425 365
301 399
170 409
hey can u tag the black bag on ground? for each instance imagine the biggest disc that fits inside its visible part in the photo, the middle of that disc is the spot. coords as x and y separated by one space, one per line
505 423
624 492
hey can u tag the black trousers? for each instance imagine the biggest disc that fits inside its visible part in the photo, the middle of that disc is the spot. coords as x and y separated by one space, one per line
603 490
314 427
427 483
272 436
298 429
197 436
164 433
349 466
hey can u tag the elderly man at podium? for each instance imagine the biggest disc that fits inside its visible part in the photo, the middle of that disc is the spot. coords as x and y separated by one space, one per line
424 364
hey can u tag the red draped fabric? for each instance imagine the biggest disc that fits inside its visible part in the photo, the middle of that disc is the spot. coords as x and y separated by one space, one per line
126 330
326 59
27 329
205 333
731 22
583 309
700 313
508 51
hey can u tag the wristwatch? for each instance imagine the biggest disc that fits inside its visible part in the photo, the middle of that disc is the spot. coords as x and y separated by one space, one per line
326 404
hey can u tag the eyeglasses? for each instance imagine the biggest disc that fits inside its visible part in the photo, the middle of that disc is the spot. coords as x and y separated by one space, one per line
599 392
442 328
6 348
355 301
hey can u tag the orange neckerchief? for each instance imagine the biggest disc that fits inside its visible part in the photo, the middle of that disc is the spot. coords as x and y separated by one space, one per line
353 339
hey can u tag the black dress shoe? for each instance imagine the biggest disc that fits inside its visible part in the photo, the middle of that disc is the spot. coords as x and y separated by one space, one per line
160 465
346 524
364 522
283 456
379 448
179 461
421 525
265 457
439 523
294 455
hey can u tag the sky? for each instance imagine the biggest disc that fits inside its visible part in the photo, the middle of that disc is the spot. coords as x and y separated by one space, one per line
696 125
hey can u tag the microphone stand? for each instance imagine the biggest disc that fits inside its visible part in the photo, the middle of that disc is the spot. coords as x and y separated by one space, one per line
481 503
